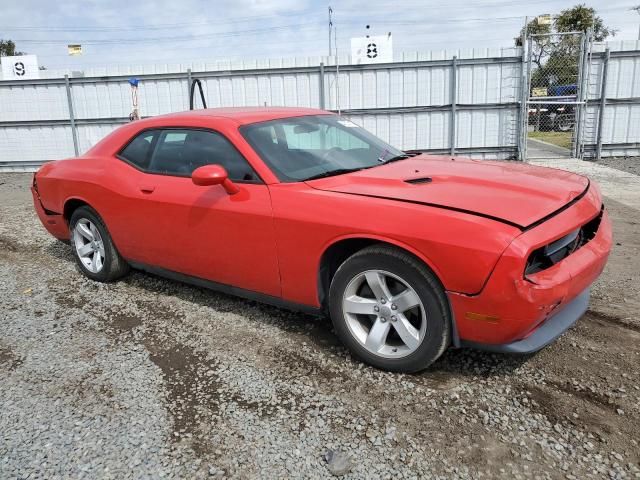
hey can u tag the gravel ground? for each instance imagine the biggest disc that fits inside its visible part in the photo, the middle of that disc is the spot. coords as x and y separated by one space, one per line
151 378
626 164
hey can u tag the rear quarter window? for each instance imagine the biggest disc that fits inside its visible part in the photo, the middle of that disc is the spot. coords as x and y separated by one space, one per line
138 151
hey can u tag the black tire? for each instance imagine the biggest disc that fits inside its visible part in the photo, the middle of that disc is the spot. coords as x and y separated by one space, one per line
547 122
420 278
114 266
564 123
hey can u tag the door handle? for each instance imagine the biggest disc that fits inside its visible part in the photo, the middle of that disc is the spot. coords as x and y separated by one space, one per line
147 188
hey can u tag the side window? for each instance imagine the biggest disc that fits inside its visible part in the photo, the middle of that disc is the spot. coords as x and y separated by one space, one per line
138 151
181 151
167 156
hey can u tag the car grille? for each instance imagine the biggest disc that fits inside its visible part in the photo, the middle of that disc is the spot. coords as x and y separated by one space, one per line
547 256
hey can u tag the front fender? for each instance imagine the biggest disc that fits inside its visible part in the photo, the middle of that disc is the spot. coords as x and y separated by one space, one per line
382 239
461 249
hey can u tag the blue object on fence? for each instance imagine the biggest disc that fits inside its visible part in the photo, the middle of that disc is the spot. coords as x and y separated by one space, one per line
562 90
133 82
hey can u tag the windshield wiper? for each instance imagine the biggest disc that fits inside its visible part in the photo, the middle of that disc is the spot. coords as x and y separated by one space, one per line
396 158
331 173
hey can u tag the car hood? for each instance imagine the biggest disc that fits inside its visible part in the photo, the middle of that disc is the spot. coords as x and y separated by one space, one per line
514 193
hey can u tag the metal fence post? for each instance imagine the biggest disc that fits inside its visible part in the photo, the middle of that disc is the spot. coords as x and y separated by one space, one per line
527 94
453 92
603 101
189 85
523 121
588 58
581 94
72 119
321 86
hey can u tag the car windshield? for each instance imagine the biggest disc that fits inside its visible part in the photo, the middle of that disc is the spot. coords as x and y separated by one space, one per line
316 146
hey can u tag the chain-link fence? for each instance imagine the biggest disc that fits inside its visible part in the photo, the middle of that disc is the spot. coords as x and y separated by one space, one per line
555 71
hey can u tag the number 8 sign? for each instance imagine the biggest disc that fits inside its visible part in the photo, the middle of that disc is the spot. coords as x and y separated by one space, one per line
22 67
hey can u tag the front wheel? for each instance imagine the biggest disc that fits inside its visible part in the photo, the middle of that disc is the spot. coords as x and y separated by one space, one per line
389 309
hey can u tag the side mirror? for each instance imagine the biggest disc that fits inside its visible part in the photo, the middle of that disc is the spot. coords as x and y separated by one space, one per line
214 175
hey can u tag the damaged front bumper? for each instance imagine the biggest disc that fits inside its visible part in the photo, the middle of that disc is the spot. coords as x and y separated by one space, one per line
520 313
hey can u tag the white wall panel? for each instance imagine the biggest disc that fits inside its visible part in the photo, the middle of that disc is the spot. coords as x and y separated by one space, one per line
89 135
408 131
35 144
399 87
33 102
487 128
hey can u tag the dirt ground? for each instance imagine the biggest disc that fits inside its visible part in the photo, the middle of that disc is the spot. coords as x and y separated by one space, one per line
149 377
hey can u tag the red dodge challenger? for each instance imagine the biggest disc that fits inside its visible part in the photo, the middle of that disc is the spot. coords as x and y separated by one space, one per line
407 253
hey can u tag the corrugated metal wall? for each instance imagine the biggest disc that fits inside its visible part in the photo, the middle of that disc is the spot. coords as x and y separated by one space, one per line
492 85
408 103
620 128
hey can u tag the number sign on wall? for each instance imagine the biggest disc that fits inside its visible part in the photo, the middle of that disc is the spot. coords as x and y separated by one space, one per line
372 49
22 67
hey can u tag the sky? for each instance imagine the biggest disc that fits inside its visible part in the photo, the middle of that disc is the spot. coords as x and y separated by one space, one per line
143 32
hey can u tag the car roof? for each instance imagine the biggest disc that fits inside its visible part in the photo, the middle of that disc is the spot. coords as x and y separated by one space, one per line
202 118
244 115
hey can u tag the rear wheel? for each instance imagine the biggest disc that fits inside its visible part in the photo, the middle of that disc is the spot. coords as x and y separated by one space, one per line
389 310
94 251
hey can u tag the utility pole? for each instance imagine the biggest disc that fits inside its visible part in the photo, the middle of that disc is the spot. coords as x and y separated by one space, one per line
330 27
525 31
335 41
637 9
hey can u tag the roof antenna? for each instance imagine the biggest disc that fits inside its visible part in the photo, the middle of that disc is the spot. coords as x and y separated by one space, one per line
330 25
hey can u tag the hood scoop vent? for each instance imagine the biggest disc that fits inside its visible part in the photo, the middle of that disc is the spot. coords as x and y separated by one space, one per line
419 181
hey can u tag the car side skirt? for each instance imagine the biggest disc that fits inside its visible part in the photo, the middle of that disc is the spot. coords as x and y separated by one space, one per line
228 289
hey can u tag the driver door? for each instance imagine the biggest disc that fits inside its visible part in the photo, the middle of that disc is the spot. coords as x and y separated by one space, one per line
204 231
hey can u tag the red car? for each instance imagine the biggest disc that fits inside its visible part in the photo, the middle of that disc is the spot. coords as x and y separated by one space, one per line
407 253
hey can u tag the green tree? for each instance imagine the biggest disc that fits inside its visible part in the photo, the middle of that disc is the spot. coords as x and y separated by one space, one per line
8 49
542 45
580 19
555 57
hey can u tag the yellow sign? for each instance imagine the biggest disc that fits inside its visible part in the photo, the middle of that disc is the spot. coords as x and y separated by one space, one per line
539 92
74 49
544 19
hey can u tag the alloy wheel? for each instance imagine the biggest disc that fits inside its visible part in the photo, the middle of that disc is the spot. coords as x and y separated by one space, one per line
384 313
89 245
